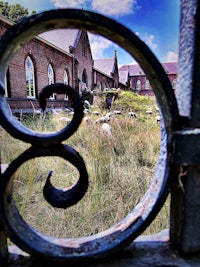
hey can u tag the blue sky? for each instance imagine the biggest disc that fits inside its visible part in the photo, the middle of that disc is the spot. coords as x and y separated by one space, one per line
156 22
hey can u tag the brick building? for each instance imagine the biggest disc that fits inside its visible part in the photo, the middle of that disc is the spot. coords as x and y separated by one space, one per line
107 75
65 55
137 81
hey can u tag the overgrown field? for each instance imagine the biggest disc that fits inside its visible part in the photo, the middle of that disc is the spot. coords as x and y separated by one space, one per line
120 167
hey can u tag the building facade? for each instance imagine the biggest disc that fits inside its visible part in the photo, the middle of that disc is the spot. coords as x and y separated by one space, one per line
137 80
65 56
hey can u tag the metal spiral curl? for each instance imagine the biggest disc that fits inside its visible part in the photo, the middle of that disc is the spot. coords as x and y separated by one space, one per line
56 197
65 198
123 233
18 130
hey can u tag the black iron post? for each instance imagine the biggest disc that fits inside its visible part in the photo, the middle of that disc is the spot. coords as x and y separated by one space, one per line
185 195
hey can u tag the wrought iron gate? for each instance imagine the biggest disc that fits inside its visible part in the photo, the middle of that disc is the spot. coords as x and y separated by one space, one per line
179 145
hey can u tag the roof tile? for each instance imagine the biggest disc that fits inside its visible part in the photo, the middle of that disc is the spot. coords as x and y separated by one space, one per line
105 65
135 69
62 38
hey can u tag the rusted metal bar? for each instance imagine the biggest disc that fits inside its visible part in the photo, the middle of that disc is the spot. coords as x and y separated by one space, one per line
124 232
187 147
185 200
3 237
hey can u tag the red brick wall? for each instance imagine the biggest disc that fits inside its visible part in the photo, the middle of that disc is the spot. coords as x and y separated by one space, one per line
41 55
85 61
105 81
143 90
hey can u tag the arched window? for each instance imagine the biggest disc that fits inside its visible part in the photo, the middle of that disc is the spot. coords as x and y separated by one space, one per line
30 78
6 85
66 81
50 74
84 77
147 84
95 77
66 78
174 84
51 78
83 82
100 87
84 48
138 85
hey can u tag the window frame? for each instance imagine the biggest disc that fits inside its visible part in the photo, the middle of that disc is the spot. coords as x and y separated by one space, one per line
174 83
147 84
138 84
6 84
66 82
30 71
51 78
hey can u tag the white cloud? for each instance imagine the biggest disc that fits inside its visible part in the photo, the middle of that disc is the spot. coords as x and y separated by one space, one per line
98 45
69 3
149 40
113 7
171 57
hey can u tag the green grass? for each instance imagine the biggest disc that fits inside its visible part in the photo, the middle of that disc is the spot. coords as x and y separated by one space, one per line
120 171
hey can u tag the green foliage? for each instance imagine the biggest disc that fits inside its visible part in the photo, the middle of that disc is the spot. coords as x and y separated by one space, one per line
129 101
14 12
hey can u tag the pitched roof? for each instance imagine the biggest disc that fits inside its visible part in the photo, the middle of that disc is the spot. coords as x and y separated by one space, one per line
62 38
135 69
170 67
7 20
105 65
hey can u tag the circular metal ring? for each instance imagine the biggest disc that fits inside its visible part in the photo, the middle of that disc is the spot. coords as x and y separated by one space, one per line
21 132
121 234
15 224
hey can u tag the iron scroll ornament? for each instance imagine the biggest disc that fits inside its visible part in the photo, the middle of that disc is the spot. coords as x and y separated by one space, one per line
124 232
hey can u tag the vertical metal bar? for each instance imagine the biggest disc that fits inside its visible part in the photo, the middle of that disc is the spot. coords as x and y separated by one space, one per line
3 247
186 56
195 108
3 238
185 195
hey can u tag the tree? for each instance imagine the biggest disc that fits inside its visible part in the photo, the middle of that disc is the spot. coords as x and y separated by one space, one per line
4 8
14 12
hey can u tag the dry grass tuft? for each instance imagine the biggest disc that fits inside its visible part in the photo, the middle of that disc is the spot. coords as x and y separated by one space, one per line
120 170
